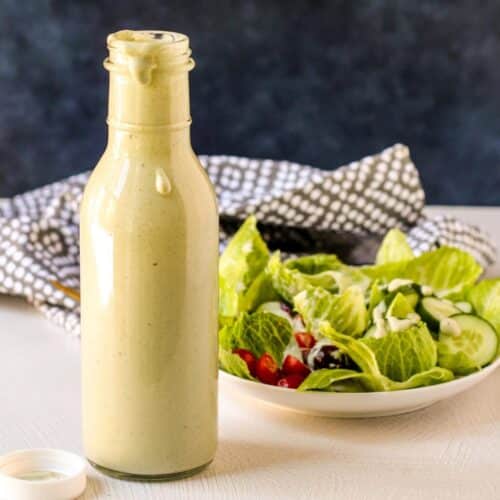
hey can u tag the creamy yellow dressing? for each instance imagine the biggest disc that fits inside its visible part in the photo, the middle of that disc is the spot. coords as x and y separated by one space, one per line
40 475
149 253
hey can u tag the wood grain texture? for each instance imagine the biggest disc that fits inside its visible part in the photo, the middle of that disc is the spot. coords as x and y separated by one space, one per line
448 451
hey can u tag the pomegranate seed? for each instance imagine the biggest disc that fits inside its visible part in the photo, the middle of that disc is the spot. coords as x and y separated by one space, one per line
291 381
267 370
293 366
305 340
248 358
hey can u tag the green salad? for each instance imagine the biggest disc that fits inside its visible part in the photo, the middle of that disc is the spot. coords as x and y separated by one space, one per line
316 323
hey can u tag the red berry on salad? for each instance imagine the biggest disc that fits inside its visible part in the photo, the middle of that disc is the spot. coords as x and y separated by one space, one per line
267 370
293 366
291 381
305 340
248 358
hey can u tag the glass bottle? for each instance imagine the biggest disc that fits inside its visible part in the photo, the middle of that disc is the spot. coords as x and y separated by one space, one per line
149 255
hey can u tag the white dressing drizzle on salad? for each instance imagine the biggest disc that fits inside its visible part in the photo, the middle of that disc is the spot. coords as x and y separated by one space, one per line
398 283
426 290
450 326
298 324
277 309
398 325
379 321
465 307
293 349
391 323
445 293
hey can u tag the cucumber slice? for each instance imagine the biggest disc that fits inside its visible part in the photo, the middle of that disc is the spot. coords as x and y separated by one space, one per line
471 344
433 310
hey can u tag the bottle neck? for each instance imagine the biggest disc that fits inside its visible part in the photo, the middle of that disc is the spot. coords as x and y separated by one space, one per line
136 144
163 102
153 116
148 92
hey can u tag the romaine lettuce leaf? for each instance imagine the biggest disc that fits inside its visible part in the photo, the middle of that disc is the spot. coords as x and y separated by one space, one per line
385 272
244 258
327 380
259 332
400 355
345 312
233 364
394 248
276 307
259 292
314 264
485 299
289 282
360 353
436 375
322 379
448 271
348 385
376 296
349 276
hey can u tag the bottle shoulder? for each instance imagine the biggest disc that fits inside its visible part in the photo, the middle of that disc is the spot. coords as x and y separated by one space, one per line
161 186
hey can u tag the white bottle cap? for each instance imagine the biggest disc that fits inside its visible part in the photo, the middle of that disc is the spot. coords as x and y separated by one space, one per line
42 474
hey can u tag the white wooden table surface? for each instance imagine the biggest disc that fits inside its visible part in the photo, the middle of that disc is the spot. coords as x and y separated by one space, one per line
449 451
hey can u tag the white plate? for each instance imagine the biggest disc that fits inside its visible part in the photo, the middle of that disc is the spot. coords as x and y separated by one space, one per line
354 405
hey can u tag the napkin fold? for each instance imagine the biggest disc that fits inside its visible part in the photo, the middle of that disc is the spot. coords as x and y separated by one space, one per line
300 209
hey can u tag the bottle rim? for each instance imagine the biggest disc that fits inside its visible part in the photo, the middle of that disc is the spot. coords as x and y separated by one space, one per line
140 53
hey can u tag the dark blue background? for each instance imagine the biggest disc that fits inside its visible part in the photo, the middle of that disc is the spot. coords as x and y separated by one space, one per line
318 82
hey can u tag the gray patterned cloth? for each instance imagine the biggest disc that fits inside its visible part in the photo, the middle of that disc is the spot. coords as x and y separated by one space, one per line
300 209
